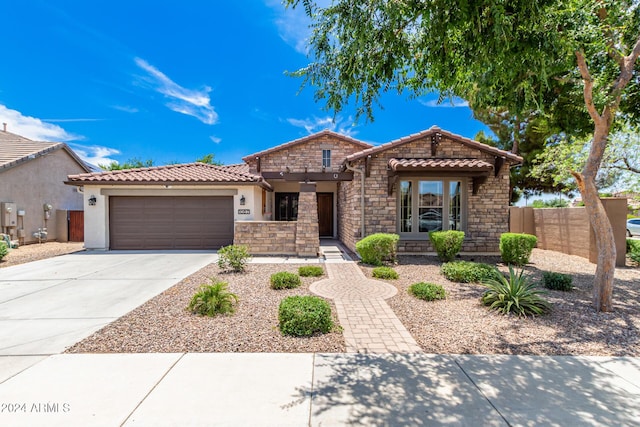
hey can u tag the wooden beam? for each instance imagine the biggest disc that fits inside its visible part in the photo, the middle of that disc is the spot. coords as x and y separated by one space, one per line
258 164
309 176
499 162
367 166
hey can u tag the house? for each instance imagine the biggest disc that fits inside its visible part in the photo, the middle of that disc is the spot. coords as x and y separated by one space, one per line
32 191
284 199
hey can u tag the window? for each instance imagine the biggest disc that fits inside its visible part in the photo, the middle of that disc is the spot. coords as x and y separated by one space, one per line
326 158
286 206
430 205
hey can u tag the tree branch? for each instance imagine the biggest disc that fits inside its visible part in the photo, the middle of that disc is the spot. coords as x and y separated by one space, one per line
588 87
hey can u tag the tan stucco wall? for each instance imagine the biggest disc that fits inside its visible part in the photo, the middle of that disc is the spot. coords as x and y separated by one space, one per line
96 218
40 181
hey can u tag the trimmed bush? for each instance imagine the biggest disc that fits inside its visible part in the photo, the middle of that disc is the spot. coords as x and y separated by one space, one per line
213 299
384 273
633 250
378 248
427 291
310 271
447 243
3 250
285 280
557 281
516 248
515 294
233 257
303 316
467 271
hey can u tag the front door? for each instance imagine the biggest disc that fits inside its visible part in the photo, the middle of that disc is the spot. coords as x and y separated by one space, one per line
325 214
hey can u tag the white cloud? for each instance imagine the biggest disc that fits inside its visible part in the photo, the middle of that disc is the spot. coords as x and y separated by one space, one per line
293 24
454 102
317 124
215 139
94 154
126 108
191 102
33 128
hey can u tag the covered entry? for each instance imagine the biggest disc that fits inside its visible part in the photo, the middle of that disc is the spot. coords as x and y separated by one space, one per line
170 222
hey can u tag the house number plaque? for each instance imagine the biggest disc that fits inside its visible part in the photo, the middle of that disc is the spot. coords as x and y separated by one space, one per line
244 211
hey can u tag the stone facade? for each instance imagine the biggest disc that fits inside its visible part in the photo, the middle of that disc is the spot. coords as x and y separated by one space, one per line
307 237
266 237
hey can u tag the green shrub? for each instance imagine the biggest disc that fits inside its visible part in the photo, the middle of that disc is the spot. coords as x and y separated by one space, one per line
447 243
514 294
3 250
516 248
310 271
633 245
285 280
213 299
233 257
303 316
384 273
378 248
427 291
557 281
467 271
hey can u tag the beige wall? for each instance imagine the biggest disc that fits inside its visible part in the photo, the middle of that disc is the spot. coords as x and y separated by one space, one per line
40 181
96 218
568 230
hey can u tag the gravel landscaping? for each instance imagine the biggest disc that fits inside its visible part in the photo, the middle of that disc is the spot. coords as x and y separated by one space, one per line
38 251
456 325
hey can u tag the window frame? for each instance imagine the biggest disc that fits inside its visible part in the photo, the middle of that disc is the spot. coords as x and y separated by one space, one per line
446 204
326 158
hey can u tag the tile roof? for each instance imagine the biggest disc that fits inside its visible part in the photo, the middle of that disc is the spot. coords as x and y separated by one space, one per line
440 164
16 149
188 173
289 144
434 129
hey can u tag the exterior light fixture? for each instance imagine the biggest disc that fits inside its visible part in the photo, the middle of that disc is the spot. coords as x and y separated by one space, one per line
242 200
92 200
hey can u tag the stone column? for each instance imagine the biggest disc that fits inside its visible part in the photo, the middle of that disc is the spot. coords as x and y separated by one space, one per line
307 233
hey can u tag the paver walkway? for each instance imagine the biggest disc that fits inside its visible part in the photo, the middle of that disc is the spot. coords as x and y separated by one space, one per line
370 326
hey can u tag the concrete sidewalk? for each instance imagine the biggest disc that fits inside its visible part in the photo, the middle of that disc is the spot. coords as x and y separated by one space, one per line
199 389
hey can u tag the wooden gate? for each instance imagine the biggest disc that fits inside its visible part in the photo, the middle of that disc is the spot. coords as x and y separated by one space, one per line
76 226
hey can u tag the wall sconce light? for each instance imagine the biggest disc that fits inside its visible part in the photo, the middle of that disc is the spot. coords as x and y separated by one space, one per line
92 200
47 207
242 200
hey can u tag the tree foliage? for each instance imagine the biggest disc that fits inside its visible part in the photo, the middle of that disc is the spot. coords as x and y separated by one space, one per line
132 163
516 55
209 159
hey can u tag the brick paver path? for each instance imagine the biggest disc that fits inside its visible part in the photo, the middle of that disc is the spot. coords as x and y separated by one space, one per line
370 326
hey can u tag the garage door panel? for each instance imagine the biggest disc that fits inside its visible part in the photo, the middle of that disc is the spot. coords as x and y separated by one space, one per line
171 222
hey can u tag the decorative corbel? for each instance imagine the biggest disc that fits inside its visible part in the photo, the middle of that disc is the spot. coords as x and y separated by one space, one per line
435 141
367 166
258 164
392 178
477 182
499 162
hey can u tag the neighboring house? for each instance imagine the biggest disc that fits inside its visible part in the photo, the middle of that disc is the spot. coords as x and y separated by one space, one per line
282 200
32 190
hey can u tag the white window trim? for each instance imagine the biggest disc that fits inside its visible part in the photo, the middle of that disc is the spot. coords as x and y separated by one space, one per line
328 151
464 203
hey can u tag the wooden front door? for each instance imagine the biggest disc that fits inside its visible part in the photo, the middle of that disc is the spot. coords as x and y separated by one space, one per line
76 226
325 214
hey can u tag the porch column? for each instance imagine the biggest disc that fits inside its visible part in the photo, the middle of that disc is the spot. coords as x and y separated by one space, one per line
307 233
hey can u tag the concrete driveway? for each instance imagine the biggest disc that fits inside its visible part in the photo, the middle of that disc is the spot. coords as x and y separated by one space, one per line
49 305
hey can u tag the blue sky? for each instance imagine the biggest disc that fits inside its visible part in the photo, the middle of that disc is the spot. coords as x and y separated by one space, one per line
173 81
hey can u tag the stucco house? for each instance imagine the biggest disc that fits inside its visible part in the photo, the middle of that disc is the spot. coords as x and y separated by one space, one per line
32 191
284 199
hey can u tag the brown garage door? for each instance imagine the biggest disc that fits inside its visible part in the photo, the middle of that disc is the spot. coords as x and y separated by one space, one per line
170 222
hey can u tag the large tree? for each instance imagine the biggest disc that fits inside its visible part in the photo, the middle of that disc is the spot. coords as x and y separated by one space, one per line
520 55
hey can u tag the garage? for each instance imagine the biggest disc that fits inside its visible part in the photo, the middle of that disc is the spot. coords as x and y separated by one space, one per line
170 222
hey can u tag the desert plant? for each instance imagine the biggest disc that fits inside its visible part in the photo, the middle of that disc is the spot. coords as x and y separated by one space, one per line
427 291
384 273
634 250
310 271
467 271
304 316
285 280
447 243
233 257
557 281
213 299
514 294
3 250
516 248
378 248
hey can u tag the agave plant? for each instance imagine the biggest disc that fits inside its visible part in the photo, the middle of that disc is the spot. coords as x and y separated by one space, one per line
213 299
514 294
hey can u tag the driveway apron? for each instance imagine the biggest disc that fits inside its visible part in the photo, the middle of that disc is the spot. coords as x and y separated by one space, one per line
370 326
49 305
